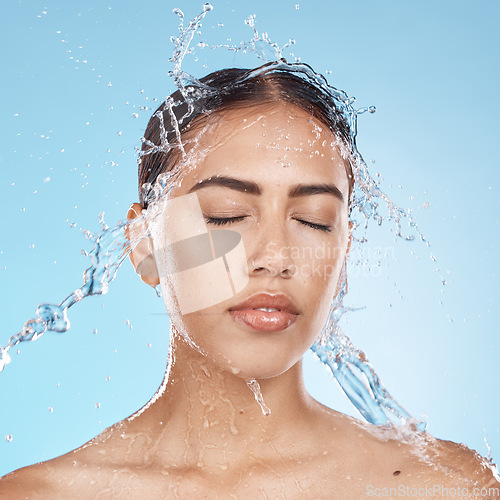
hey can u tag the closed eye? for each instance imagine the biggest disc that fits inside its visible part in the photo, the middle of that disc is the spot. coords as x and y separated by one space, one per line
220 221
319 227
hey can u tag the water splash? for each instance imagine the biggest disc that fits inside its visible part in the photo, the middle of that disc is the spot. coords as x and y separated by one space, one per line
107 256
255 388
371 399
349 365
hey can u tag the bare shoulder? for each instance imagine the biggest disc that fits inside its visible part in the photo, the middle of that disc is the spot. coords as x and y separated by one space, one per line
34 481
385 461
59 477
425 464
456 463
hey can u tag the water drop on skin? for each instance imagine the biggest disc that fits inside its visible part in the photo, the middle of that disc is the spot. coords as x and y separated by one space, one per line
255 388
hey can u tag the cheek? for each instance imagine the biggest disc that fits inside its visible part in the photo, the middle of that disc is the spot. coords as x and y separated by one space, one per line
170 301
195 327
320 276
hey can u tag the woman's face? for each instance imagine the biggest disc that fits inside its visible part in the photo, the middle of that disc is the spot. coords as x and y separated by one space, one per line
281 183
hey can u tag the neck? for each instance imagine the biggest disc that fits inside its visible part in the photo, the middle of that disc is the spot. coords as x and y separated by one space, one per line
209 415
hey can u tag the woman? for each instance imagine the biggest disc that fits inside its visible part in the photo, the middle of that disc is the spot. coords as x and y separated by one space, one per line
269 156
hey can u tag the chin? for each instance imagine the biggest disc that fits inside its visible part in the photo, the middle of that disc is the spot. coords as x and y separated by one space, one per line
264 364
242 352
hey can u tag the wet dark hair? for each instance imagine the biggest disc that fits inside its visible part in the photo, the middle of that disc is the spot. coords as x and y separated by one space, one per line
225 90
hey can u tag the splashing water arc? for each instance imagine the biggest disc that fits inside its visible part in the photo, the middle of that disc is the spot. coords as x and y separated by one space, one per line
112 246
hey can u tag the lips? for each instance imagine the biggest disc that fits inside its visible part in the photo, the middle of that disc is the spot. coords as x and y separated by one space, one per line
280 312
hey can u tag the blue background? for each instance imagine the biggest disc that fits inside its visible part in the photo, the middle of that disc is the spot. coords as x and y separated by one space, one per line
73 75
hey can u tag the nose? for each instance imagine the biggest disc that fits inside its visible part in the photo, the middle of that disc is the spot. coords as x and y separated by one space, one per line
273 254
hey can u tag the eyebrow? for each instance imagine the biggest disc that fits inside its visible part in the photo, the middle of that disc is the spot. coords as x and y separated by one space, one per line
251 187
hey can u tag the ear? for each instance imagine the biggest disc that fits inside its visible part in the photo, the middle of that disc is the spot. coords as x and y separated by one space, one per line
142 254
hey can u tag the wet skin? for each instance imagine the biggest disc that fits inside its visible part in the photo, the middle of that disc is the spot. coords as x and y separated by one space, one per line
204 435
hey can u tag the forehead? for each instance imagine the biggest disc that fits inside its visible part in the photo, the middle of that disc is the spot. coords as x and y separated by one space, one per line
275 144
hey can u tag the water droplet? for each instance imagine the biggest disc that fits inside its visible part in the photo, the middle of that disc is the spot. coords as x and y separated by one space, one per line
108 378
94 331
135 115
297 6
372 109
9 438
98 405
119 133
110 84
255 388
207 7
51 410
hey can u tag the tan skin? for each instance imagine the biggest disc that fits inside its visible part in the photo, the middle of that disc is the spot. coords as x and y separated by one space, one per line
205 436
